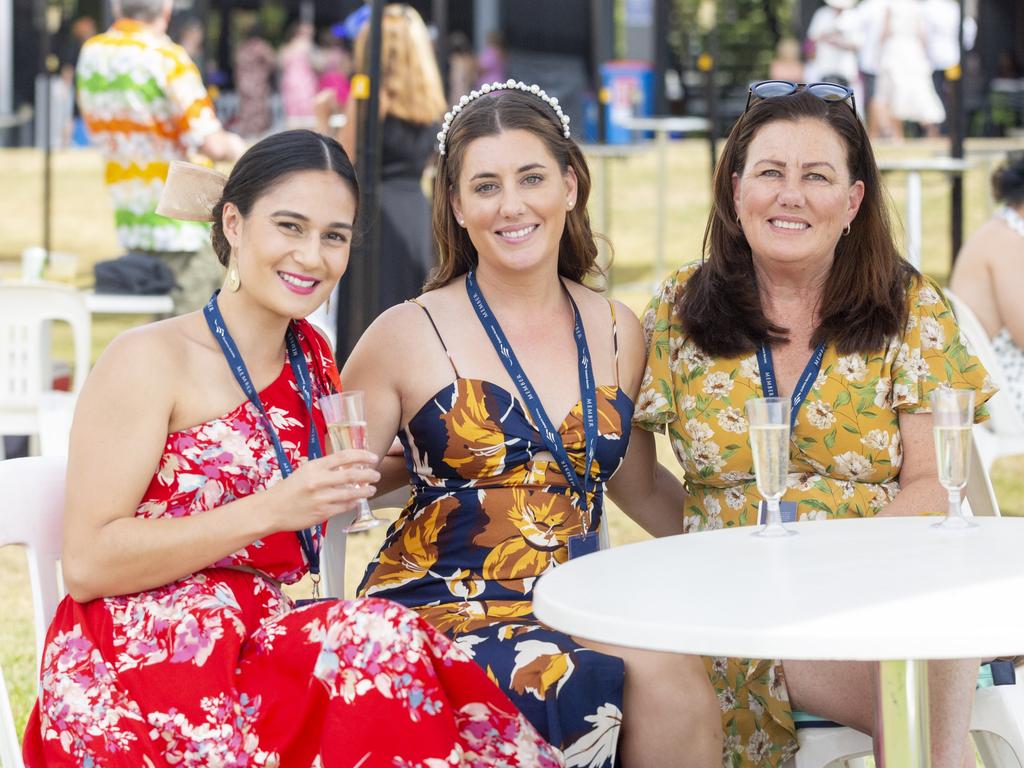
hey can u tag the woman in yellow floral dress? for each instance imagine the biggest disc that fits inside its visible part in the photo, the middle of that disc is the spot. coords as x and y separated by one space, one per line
500 492
800 256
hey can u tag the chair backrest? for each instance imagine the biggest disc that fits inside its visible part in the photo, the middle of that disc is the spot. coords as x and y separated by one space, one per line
25 310
980 495
1004 417
32 515
332 554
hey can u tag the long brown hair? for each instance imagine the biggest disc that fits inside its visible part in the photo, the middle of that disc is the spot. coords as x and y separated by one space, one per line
863 302
509 110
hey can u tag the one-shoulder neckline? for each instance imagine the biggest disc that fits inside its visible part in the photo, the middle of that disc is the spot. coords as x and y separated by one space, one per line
515 402
285 369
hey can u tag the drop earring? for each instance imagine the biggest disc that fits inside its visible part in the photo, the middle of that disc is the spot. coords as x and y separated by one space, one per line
233 282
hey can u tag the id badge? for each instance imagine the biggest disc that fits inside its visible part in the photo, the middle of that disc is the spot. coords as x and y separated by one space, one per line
787 508
583 544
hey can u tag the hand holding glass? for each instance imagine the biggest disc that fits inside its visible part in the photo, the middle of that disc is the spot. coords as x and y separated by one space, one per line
345 416
952 417
769 443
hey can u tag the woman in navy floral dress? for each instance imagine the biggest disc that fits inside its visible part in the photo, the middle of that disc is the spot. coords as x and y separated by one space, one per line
508 460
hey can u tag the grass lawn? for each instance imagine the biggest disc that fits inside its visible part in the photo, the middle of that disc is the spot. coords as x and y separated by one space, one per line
83 224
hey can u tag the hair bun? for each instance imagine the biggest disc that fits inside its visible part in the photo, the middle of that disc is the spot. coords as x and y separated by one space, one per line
1008 179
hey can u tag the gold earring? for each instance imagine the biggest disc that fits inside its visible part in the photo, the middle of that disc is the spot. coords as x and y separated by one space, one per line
233 282
846 230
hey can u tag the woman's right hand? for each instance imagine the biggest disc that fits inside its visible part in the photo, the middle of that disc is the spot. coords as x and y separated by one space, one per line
321 489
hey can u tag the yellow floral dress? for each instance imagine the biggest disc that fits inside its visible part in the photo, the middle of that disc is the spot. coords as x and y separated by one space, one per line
845 457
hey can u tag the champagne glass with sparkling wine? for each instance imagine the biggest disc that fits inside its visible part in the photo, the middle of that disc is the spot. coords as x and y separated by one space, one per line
953 416
345 416
769 443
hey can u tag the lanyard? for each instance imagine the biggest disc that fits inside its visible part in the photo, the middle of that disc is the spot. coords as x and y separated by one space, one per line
588 394
310 538
766 367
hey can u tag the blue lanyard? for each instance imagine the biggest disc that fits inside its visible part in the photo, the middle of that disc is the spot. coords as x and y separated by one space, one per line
310 538
588 393
766 367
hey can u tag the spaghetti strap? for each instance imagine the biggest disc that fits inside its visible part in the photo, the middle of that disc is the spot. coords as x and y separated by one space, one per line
451 360
615 341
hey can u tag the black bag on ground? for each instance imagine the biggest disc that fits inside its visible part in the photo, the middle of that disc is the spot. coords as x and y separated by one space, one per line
134 273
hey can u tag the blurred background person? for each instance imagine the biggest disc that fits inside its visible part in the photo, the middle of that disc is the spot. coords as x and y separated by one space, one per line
411 107
298 77
69 48
787 65
187 30
904 86
139 137
943 42
335 67
989 274
463 70
869 18
491 60
835 38
255 62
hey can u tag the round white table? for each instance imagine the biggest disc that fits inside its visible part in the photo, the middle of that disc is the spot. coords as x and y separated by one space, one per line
893 590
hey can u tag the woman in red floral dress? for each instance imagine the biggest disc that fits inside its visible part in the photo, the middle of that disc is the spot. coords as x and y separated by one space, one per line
176 645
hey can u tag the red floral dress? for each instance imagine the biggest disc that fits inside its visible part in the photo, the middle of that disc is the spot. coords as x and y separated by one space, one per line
220 670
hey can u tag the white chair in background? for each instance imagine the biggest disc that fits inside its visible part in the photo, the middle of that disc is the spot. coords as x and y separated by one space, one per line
26 311
1003 433
997 721
32 515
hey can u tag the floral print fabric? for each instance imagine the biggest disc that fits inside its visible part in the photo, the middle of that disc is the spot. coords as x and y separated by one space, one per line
845 456
491 512
219 669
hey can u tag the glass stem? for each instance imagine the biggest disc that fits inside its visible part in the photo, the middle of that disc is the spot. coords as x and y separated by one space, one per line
955 510
774 513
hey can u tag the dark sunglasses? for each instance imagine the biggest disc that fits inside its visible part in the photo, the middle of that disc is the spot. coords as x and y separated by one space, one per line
769 89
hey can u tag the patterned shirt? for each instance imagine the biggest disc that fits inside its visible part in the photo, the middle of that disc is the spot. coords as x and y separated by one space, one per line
145 105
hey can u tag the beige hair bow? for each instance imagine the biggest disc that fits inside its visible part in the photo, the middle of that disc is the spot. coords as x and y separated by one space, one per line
191 191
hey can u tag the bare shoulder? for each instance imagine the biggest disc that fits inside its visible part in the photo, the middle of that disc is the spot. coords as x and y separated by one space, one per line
632 347
147 352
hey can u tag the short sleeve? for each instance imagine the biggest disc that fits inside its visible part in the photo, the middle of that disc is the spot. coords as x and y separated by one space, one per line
191 105
655 405
934 354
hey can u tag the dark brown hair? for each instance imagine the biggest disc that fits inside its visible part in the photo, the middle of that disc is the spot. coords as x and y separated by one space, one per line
266 163
863 302
1008 180
509 110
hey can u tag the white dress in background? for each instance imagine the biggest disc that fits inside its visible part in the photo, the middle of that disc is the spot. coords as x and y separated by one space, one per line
905 73
1011 357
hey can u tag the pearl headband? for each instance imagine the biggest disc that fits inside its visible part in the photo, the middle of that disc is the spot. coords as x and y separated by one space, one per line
508 85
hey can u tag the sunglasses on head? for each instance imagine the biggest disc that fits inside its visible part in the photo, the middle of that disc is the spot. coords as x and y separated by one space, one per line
769 89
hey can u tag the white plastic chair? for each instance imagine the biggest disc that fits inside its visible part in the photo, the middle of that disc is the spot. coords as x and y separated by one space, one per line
1003 433
332 555
997 720
26 309
31 515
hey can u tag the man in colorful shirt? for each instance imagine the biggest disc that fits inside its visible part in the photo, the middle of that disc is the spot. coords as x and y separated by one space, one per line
145 105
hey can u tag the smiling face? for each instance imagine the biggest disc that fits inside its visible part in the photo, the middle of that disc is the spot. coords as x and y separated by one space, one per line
294 245
795 196
512 199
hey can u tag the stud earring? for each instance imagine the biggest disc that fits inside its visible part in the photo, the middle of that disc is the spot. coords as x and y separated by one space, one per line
233 282
569 203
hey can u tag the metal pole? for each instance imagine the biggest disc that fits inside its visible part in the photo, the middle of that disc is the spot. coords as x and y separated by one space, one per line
957 129
45 115
363 306
6 57
439 12
903 738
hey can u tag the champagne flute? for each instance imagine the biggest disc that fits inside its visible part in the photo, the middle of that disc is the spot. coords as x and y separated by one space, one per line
953 416
769 443
345 416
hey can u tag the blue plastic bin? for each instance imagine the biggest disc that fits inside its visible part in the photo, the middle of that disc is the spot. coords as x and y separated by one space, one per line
630 87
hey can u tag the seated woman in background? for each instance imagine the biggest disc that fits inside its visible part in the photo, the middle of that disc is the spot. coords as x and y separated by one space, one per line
989 274
803 290
511 386
189 504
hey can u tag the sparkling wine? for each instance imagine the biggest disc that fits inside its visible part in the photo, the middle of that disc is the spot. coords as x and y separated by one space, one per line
770 446
347 435
953 453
